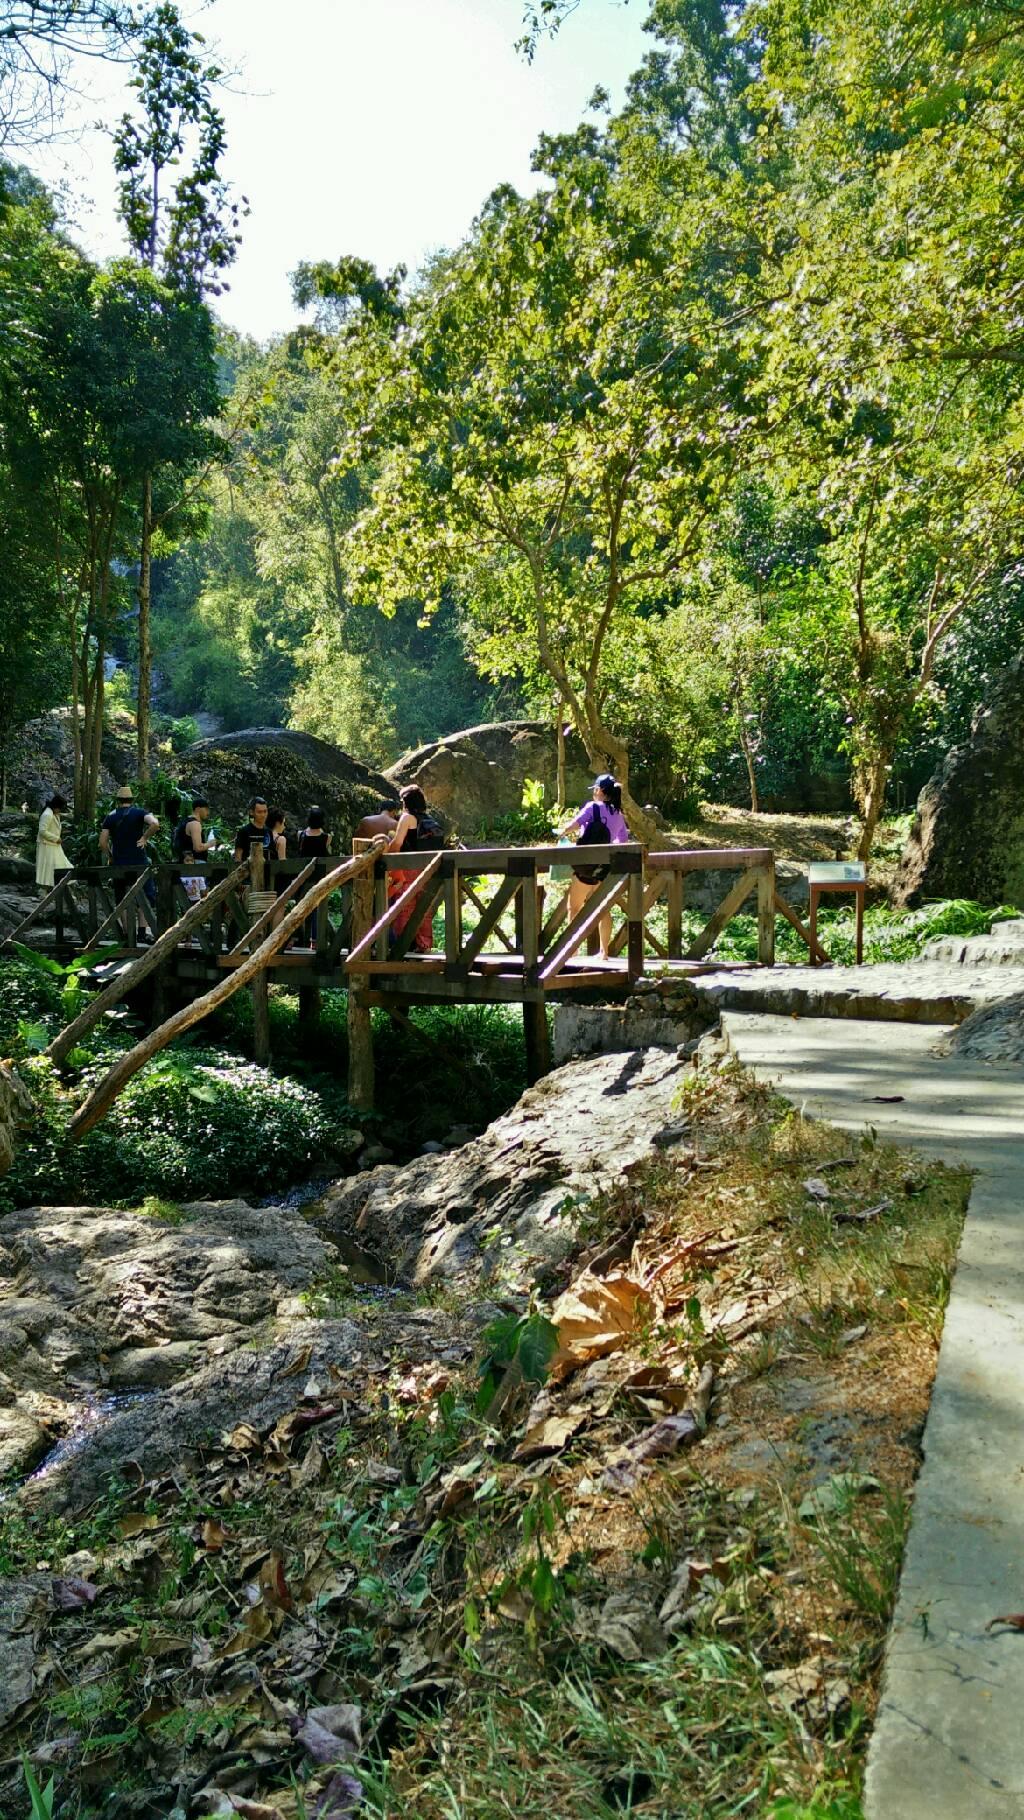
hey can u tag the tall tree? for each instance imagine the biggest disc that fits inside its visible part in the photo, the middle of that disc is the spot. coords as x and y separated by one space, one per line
182 223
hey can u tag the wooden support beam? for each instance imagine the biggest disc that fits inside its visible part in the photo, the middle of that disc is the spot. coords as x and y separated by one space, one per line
360 1022
652 893
555 919
635 926
254 935
260 983
733 900
33 916
426 906
766 914
364 946
138 971
492 913
603 898
707 859
468 891
818 954
538 1038
114 919
106 1091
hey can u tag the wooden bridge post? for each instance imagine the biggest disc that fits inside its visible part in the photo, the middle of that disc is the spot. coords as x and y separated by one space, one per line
635 925
261 983
164 919
675 914
535 1012
766 912
360 1022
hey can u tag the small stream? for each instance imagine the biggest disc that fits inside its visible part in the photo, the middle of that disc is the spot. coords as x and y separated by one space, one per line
91 1415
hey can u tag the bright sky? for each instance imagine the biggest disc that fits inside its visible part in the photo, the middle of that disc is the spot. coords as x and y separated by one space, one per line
373 127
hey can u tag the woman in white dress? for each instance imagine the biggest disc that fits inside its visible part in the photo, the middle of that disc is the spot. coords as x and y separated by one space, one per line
50 855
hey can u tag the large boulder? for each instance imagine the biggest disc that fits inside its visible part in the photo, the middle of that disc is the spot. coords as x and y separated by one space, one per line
502 1208
292 770
476 775
968 835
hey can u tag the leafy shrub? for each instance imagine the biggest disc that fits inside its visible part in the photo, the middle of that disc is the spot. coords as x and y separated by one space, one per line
193 1123
29 996
535 821
889 935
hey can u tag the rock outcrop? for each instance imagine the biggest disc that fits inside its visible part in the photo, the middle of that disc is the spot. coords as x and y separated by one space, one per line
94 1301
478 774
505 1206
993 1034
968 835
291 770
15 1112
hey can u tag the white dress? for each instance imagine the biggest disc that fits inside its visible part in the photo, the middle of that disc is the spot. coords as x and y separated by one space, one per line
50 855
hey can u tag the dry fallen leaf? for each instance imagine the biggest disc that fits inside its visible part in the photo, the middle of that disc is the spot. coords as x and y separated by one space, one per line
242 1439
551 1435
1013 1620
71 1594
665 1437
137 1524
596 1316
257 1628
629 1628
298 1364
273 1585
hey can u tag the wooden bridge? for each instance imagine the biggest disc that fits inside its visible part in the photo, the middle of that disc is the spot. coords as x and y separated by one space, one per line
507 936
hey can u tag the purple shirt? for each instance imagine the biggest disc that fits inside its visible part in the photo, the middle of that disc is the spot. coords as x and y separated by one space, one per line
613 821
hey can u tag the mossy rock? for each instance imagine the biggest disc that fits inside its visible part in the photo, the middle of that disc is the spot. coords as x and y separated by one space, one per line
292 770
968 835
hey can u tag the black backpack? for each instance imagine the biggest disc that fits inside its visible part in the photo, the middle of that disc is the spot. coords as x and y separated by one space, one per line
180 846
595 834
429 834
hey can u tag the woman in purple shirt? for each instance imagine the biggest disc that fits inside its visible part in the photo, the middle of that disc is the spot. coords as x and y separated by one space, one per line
599 823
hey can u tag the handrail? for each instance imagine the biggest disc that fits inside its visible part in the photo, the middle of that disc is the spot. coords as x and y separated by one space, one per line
129 897
107 1090
37 910
365 945
266 921
140 969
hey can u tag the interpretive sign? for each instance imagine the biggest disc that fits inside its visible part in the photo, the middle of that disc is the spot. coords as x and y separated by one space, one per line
836 872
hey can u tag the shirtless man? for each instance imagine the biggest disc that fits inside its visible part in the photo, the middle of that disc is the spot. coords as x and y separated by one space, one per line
384 822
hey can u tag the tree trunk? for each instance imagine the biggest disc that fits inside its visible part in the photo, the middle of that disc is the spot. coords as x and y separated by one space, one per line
560 748
748 759
606 752
76 724
145 646
869 786
94 734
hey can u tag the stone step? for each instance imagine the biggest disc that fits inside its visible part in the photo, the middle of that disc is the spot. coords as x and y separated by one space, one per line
924 992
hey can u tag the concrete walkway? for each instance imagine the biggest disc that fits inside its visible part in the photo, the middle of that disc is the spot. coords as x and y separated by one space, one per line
921 992
949 1738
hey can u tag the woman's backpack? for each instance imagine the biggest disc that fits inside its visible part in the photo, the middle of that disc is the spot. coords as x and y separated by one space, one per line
429 834
596 833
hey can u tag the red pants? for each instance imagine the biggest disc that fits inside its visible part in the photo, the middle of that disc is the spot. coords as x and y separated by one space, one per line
423 940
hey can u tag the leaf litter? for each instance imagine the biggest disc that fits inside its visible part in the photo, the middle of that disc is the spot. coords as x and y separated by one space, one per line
332 1596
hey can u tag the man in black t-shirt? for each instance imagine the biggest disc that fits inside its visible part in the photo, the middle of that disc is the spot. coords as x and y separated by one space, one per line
255 829
123 836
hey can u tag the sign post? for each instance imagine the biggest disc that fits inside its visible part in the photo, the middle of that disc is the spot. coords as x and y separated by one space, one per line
837 875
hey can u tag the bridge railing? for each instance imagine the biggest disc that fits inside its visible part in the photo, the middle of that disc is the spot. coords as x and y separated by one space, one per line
503 911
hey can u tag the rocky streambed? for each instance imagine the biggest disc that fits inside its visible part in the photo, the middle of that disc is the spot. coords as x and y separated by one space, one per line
145 1336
